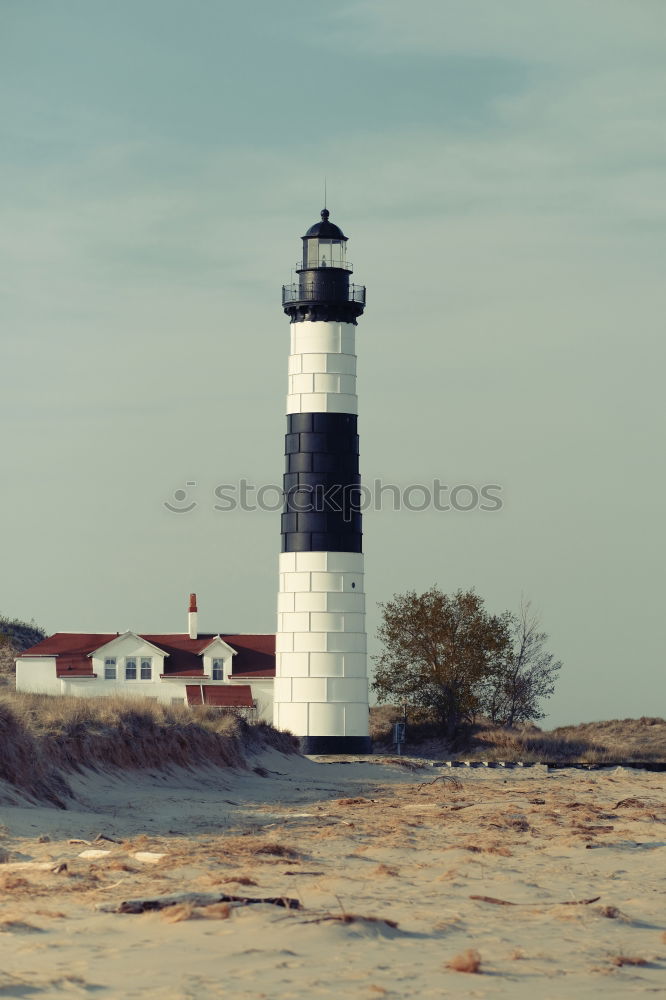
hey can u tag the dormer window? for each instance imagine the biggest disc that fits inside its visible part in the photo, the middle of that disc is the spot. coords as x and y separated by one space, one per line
146 668
218 669
130 668
110 672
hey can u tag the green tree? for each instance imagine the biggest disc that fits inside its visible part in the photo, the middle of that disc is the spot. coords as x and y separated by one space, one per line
438 650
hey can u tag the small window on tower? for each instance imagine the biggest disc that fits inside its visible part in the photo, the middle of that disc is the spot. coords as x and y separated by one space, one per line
218 670
110 668
130 668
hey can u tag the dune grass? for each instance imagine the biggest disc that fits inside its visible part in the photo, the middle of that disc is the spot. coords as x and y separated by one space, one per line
43 737
615 740
630 740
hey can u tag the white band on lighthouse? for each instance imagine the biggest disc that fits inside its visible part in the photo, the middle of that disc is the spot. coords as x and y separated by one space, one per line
321 645
322 368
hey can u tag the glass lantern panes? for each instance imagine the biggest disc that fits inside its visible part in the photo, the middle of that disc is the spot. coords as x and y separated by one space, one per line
320 252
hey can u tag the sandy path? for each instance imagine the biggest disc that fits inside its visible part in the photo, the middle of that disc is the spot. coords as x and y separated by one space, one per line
359 839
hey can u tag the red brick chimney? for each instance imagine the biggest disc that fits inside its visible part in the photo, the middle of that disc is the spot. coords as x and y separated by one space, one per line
192 615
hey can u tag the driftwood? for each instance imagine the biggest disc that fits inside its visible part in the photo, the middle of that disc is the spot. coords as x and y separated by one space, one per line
352 918
454 782
36 866
196 899
507 902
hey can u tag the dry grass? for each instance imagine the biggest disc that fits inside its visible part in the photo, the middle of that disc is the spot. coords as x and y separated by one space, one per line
14 925
44 737
277 850
385 870
628 740
13 883
237 880
466 961
382 718
612 913
628 960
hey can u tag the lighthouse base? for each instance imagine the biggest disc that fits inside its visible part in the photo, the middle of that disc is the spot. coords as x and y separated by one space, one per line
335 744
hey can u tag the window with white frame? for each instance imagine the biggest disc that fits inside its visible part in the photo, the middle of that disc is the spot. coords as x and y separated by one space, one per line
110 668
146 668
218 669
130 668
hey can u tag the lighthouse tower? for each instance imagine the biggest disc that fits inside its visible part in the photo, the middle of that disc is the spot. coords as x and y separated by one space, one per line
321 685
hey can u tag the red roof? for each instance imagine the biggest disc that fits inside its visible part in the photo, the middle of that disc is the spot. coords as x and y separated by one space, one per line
184 653
255 656
74 666
71 643
220 695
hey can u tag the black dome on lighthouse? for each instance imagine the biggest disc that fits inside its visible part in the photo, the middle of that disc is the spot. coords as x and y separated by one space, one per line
325 229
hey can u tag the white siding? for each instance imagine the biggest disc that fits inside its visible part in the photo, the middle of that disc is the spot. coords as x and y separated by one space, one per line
37 674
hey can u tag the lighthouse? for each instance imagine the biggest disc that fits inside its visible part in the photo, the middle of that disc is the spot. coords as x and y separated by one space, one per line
321 682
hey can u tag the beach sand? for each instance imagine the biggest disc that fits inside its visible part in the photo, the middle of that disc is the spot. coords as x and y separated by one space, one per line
567 867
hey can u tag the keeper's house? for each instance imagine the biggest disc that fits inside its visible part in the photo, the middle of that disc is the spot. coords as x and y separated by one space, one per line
227 671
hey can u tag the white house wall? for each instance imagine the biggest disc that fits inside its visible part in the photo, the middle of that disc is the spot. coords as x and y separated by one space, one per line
37 675
97 687
164 691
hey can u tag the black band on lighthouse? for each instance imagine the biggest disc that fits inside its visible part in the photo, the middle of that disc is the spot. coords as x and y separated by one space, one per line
322 497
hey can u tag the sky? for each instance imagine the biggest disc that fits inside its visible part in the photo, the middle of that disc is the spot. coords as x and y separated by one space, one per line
499 169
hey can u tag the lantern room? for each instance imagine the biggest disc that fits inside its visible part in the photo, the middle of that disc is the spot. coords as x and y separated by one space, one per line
324 245
323 290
